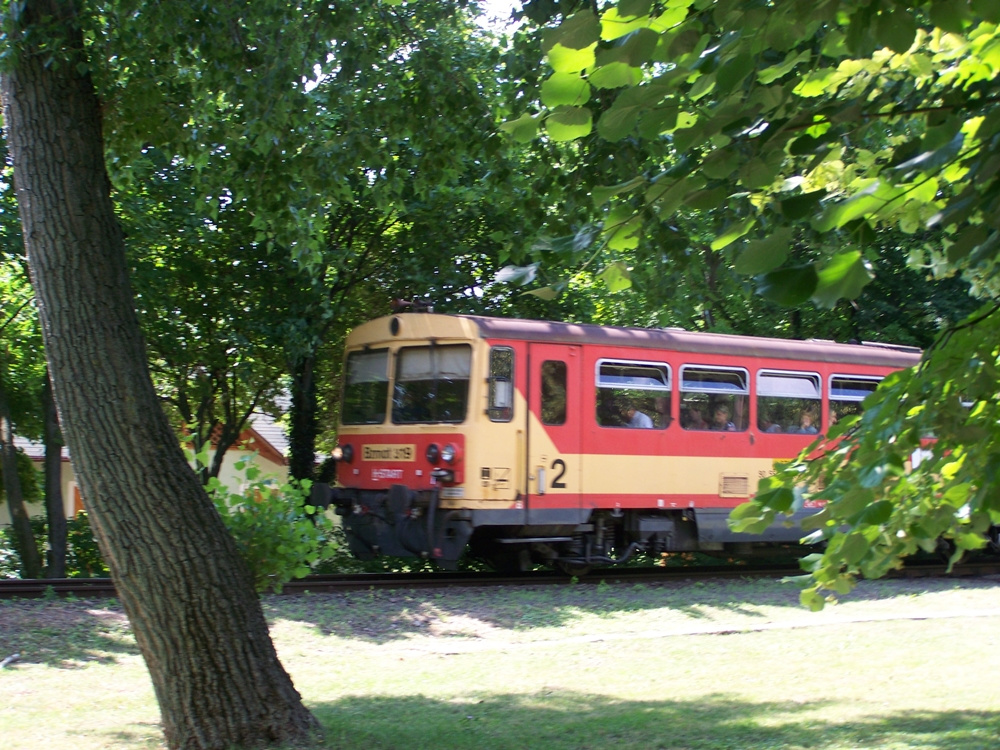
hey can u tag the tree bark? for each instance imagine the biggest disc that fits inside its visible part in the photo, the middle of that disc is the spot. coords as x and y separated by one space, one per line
187 592
55 511
24 538
303 428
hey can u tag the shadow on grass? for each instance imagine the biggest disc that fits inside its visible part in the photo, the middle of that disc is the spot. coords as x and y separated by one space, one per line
568 721
383 616
64 634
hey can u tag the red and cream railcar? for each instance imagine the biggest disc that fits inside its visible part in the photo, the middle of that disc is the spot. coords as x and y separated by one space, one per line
525 441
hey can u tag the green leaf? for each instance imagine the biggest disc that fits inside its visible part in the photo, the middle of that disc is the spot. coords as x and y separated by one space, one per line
877 513
774 72
854 501
866 203
818 83
788 286
801 205
896 28
761 172
524 129
623 226
987 9
760 256
601 195
780 499
949 15
618 122
517 274
636 49
629 8
707 200
930 161
843 277
855 547
733 233
812 599
565 88
579 31
733 72
615 75
566 60
665 196
616 277
568 123
546 293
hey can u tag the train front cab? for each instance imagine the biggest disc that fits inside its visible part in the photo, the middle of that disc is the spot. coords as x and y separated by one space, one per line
427 445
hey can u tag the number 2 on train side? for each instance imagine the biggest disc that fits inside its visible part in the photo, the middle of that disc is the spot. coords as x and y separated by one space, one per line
557 479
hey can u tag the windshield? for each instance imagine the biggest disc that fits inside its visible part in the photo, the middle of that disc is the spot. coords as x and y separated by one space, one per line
366 387
432 384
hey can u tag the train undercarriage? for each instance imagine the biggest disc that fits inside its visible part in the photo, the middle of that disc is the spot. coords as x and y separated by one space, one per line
403 523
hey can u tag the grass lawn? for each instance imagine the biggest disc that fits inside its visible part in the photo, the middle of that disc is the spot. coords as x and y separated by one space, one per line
734 664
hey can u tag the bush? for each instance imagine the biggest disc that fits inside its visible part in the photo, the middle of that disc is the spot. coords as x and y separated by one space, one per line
279 534
83 558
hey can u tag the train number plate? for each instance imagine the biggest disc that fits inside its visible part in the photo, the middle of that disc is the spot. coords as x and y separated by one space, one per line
384 452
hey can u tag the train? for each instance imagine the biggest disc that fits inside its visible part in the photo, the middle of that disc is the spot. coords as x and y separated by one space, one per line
527 442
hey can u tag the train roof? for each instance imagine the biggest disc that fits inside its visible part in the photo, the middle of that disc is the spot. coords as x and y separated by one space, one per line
888 355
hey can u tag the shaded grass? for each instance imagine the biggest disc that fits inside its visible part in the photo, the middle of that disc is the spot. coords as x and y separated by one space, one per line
64 633
898 665
572 721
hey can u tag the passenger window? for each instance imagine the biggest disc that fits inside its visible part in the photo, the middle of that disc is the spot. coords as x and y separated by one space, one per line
633 394
553 392
501 407
714 398
788 402
847 392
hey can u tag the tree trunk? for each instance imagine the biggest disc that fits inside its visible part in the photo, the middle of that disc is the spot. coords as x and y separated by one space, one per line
187 592
302 426
24 539
55 511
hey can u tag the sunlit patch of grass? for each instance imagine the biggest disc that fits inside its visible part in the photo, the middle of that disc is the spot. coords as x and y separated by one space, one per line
901 665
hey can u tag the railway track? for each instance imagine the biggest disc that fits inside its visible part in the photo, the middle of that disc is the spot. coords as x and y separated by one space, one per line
86 588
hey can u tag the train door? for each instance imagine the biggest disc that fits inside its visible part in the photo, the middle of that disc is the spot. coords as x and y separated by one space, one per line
555 427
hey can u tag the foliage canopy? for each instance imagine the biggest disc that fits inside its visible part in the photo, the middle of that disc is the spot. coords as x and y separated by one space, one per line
819 125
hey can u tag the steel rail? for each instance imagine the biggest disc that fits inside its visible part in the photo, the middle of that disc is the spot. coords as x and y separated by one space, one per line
103 587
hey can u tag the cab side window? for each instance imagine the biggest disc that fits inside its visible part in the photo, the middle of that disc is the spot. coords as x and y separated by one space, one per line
501 384
553 392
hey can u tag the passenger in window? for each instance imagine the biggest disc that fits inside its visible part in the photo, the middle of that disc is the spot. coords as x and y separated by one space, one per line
806 425
636 418
662 406
720 419
693 420
768 425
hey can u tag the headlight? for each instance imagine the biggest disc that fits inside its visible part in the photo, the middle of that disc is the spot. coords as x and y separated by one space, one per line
449 454
343 453
433 453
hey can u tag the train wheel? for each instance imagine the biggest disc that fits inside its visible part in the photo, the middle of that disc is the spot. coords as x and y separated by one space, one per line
573 568
511 560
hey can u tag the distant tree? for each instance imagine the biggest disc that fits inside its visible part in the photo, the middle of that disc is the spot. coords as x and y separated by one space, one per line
210 302
21 370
